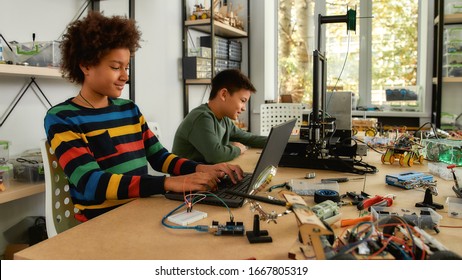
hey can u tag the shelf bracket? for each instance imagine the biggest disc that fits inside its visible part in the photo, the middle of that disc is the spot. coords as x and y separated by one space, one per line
18 97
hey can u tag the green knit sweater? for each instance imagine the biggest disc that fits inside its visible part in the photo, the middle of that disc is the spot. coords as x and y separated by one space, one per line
203 138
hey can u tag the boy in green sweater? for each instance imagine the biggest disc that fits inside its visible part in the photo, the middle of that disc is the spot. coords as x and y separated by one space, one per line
208 133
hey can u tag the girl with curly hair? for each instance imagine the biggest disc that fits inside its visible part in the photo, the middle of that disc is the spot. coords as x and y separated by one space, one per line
102 142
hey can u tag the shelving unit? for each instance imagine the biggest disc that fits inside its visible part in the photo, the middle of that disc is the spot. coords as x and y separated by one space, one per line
29 71
17 190
440 21
210 27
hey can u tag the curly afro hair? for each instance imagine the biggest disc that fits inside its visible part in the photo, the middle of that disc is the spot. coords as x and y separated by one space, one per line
88 40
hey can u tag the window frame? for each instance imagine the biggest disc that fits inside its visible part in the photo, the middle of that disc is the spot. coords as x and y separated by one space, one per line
424 50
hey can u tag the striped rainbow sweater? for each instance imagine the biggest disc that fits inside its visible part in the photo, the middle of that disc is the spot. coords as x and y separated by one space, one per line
105 152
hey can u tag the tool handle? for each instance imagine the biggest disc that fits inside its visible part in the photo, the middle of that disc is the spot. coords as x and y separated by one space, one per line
338 180
258 198
350 222
369 202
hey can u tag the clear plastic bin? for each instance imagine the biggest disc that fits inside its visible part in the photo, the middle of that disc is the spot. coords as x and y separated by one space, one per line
452 70
29 172
4 179
440 169
4 151
452 58
454 207
42 54
453 33
448 151
305 187
424 218
453 8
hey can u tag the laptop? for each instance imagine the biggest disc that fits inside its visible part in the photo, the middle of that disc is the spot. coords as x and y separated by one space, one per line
271 154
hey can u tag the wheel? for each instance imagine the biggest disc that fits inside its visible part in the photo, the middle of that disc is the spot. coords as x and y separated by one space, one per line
354 131
371 132
410 162
383 158
421 159
401 161
392 159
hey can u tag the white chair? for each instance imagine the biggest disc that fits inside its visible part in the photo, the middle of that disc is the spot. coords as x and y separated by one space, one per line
276 113
59 209
154 127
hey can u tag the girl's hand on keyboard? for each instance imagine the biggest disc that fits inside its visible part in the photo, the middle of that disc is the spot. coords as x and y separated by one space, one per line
234 172
199 181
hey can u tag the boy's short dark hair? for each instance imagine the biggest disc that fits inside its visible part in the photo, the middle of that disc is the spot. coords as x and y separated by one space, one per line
87 40
231 79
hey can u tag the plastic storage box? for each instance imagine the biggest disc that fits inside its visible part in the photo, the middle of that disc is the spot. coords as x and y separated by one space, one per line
441 170
453 8
221 47
29 172
454 207
424 218
200 52
448 151
197 68
4 151
304 187
42 54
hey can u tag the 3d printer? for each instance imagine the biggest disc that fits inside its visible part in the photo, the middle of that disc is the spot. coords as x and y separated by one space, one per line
319 147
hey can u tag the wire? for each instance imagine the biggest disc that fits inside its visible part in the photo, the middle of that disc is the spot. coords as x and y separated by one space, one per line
195 198
341 71
344 62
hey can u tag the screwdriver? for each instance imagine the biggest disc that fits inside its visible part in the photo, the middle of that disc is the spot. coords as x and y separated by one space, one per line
339 180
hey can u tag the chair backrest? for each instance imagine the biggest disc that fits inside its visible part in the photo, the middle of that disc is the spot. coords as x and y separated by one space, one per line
59 209
154 126
277 113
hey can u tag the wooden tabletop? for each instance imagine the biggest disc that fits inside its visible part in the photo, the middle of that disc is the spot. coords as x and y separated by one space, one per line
134 231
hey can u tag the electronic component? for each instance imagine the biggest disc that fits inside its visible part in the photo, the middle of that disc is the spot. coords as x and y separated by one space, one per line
310 175
327 211
306 187
230 228
324 194
187 217
399 180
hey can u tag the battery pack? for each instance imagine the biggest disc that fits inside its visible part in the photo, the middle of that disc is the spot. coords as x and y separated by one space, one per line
399 180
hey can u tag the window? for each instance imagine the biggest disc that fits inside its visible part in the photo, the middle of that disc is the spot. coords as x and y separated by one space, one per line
366 69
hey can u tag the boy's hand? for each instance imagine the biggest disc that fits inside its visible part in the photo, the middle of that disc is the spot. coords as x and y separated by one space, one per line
241 146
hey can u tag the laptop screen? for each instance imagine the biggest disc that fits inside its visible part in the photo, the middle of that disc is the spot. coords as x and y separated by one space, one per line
274 147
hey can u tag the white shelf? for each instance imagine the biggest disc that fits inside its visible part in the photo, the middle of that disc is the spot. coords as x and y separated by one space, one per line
389 114
449 80
198 81
221 29
29 71
452 19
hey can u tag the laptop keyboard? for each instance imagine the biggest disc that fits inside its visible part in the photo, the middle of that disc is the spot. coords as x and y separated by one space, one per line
241 186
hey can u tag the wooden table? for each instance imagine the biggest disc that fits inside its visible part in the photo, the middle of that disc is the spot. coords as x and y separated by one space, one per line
134 231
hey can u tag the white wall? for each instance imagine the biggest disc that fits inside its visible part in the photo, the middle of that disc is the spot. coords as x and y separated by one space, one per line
159 91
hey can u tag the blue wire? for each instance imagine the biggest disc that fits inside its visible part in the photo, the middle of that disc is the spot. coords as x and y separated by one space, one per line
202 228
198 227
